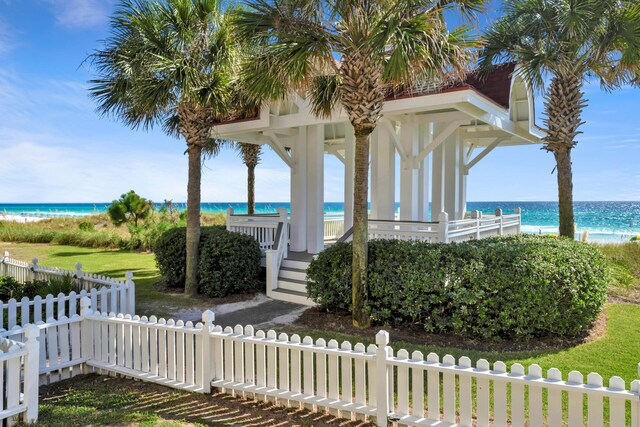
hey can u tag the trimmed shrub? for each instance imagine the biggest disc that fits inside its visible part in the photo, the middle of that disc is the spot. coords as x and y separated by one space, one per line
512 286
229 262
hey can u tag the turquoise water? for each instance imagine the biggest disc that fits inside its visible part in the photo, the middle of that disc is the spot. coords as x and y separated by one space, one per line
606 221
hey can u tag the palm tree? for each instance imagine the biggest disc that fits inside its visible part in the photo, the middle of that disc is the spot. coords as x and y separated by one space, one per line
567 42
351 52
250 154
169 63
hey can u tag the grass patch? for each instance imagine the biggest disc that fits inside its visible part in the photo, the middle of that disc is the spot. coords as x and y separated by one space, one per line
113 263
624 263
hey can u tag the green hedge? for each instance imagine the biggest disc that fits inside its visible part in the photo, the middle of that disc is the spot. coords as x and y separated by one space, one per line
512 286
229 262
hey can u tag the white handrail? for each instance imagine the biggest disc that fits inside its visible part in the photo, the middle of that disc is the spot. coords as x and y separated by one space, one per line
278 253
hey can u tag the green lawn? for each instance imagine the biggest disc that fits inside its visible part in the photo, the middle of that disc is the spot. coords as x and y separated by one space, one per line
113 263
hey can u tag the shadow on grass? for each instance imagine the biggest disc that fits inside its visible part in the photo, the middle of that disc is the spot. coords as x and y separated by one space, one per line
138 273
85 253
106 401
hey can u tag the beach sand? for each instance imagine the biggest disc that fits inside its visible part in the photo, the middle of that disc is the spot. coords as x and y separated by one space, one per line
19 218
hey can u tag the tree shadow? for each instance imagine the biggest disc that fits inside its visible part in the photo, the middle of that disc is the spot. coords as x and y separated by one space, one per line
82 254
102 400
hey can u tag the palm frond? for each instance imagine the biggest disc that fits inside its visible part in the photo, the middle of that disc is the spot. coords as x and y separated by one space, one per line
324 94
162 56
585 38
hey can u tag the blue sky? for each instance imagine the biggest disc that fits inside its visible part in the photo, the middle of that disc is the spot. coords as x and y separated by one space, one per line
55 148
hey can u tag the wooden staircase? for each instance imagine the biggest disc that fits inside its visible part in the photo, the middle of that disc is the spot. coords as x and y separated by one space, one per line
292 281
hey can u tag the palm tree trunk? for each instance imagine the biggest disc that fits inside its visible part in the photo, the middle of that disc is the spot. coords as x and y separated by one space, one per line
565 192
564 103
359 290
251 188
193 218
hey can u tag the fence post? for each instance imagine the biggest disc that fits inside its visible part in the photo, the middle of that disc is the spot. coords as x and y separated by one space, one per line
86 337
34 270
78 275
3 264
229 215
518 211
131 292
382 379
477 215
499 215
443 227
207 356
31 373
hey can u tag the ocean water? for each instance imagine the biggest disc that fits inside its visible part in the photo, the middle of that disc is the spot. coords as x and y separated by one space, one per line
605 221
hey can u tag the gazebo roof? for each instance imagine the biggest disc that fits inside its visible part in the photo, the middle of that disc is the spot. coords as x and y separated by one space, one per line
495 85
495 108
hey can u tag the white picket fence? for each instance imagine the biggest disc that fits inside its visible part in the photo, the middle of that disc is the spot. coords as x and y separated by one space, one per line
19 378
105 293
350 381
166 352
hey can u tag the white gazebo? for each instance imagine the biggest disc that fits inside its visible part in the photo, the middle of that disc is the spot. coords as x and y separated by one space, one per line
438 133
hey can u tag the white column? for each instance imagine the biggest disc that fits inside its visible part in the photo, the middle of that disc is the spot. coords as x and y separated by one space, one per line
383 175
298 225
452 176
315 189
462 177
423 173
349 165
437 178
374 191
409 133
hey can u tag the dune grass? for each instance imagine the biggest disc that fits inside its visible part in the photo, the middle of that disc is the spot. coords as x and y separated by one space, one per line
67 231
624 261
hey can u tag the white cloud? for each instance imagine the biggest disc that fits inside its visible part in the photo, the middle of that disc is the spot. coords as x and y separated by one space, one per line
81 13
48 168
7 41
25 99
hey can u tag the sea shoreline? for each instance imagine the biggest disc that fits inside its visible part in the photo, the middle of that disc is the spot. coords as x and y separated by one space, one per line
594 236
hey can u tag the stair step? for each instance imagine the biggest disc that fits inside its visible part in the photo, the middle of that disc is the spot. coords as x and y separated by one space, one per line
292 273
291 296
292 285
292 263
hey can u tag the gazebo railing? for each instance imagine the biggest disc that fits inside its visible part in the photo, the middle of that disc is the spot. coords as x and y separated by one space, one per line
262 227
478 226
403 230
333 228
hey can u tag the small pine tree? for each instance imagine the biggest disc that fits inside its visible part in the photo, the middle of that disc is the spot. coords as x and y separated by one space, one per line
130 209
